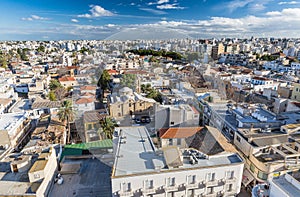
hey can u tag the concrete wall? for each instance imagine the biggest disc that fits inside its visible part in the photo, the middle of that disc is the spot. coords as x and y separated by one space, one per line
49 172
242 144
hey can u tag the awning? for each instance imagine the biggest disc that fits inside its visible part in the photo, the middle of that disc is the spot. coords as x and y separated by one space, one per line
247 177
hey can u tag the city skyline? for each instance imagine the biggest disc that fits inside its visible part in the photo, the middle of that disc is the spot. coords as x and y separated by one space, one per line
48 20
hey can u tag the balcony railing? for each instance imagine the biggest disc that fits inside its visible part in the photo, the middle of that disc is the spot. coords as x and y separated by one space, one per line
230 193
192 185
230 180
211 194
126 193
211 183
147 191
171 188
195 185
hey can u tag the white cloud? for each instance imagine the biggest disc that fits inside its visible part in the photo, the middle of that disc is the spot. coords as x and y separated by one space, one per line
96 11
256 7
158 2
74 20
252 5
233 5
34 17
288 2
274 13
111 25
284 23
162 1
173 6
153 11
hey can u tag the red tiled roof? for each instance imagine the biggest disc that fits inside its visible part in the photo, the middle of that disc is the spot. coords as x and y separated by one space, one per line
65 78
84 100
88 88
261 79
87 94
178 132
112 71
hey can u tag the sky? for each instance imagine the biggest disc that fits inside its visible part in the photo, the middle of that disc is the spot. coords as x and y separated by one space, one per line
101 19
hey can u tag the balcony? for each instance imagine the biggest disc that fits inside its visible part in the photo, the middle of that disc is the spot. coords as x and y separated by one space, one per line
195 185
212 183
126 193
230 193
212 194
230 180
192 185
171 188
147 191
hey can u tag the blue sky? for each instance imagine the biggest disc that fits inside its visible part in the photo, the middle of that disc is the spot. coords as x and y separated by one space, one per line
99 19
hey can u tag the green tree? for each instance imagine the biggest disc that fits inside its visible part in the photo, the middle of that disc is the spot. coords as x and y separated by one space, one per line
103 81
108 126
66 113
54 84
128 80
52 96
3 60
40 49
146 88
192 56
151 92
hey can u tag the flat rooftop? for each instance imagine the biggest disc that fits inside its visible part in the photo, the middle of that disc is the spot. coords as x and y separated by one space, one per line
10 120
286 186
136 154
21 106
92 180
14 184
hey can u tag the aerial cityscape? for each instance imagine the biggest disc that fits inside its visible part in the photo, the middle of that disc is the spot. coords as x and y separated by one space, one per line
152 98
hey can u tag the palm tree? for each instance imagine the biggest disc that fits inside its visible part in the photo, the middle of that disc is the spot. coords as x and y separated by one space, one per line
66 113
108 126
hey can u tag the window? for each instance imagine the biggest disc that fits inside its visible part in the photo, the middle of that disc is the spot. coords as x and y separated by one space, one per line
262 175
252 168
90 126
229 187
172 123
170 142
210 176
191 193
129 104
238 138
179 141
229 174
126 187
191 179
36 176
149 184
171 181
141 104
210 190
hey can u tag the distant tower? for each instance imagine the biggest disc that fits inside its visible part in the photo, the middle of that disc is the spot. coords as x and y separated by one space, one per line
138 84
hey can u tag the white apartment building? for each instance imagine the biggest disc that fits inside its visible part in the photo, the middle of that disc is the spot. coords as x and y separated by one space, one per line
140 169
260 83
